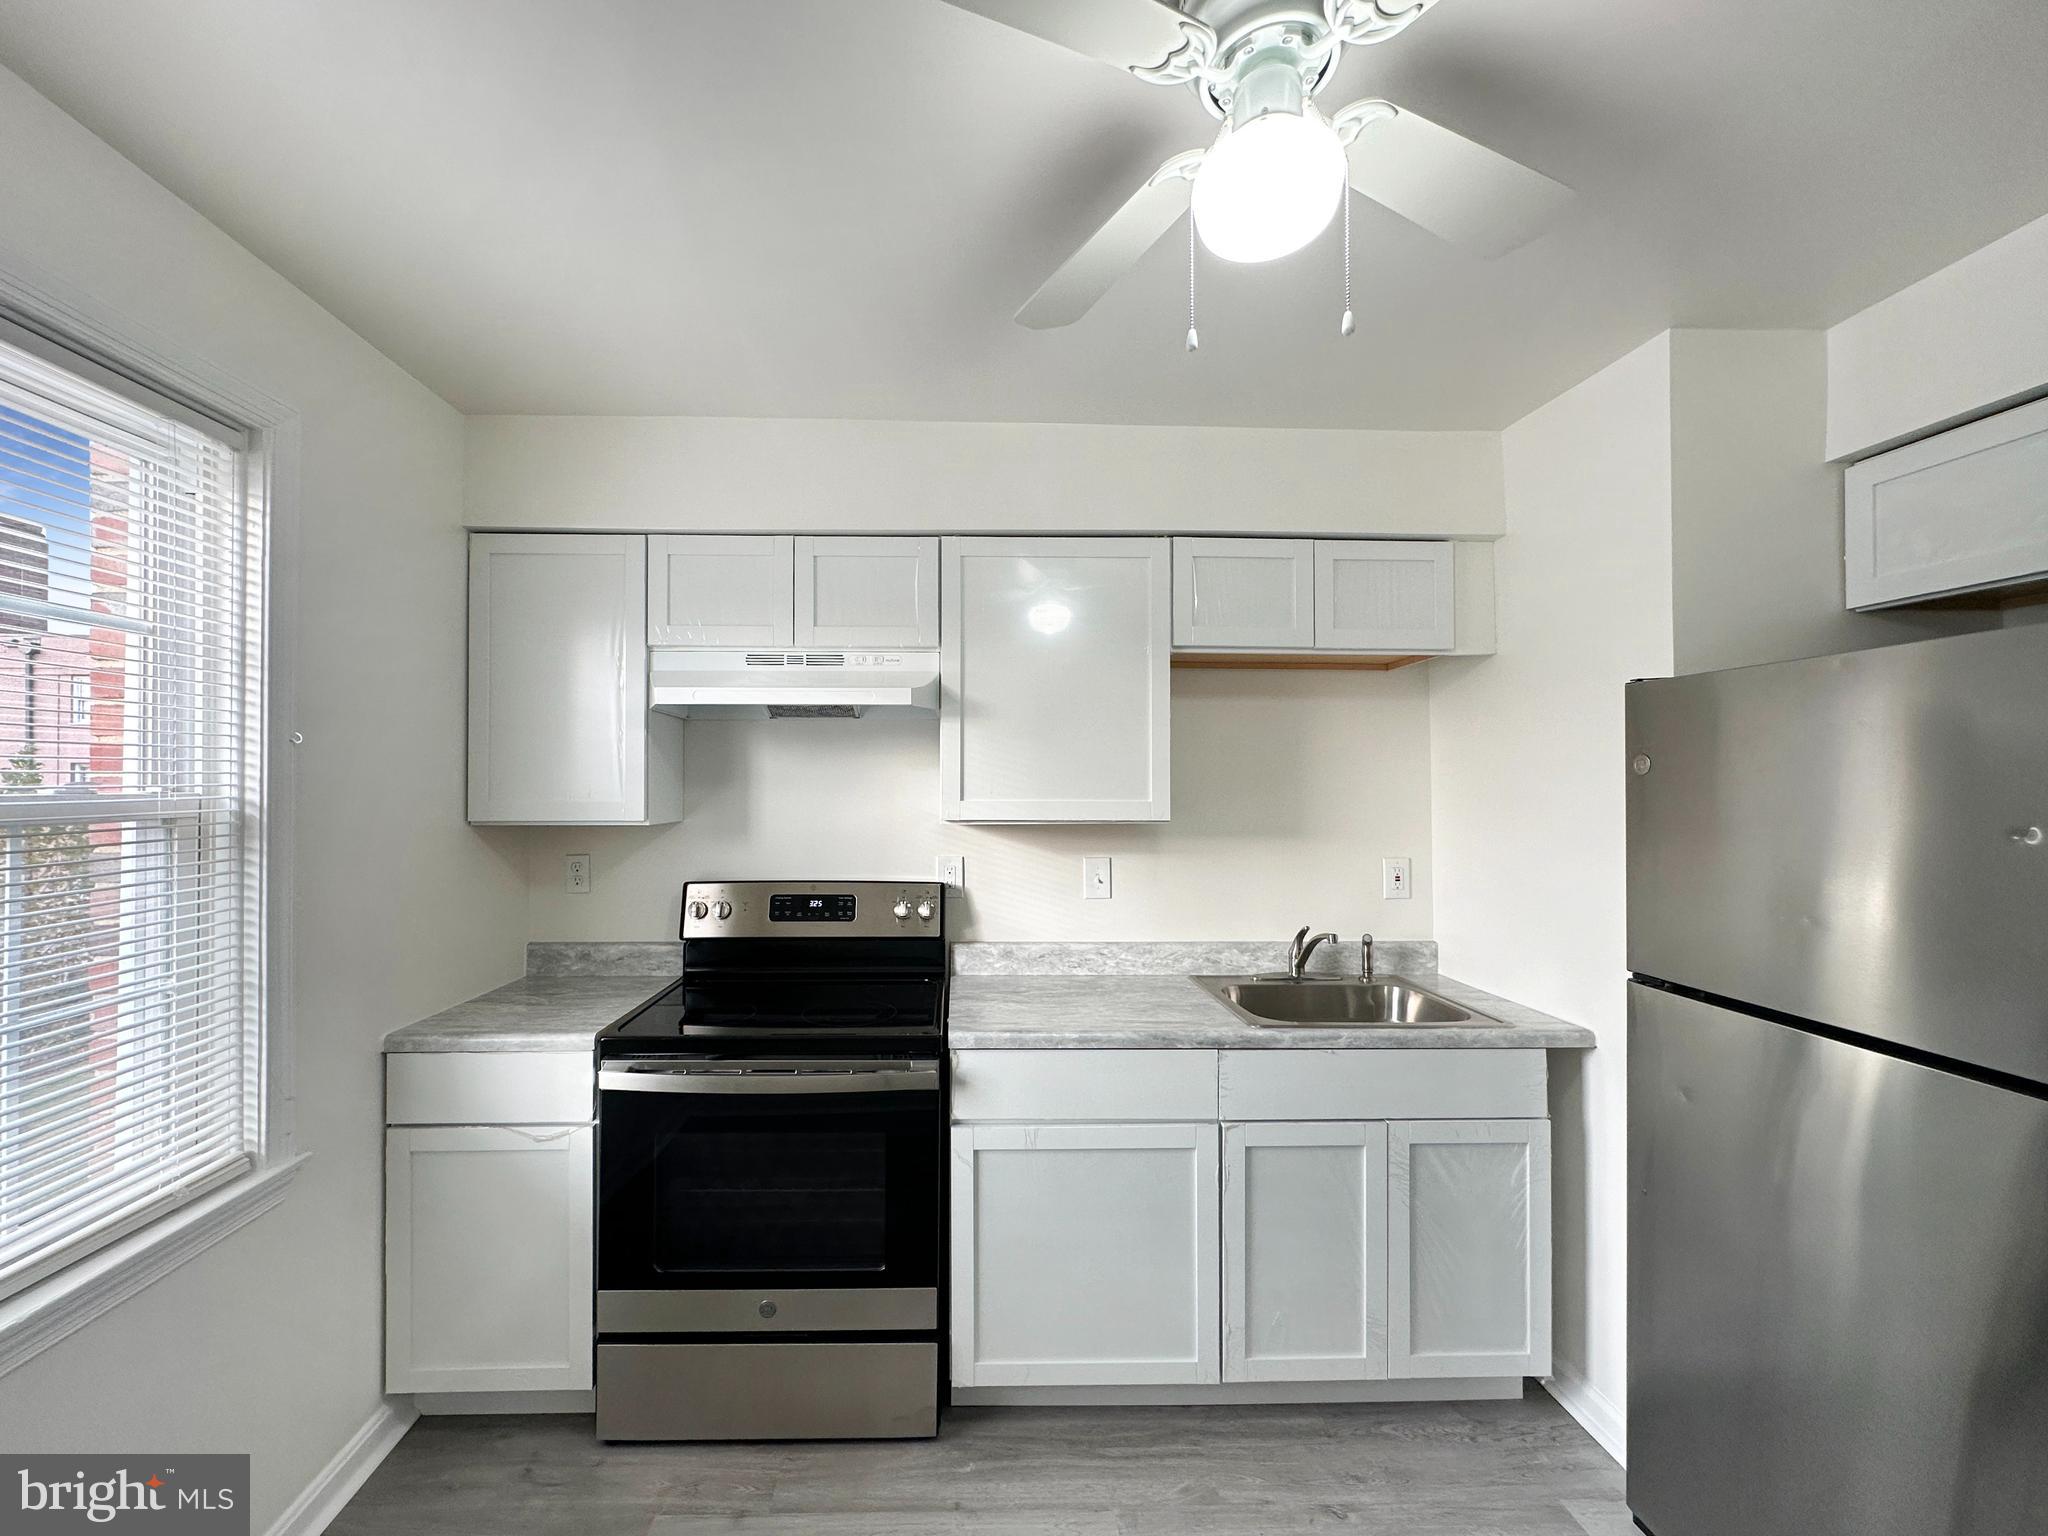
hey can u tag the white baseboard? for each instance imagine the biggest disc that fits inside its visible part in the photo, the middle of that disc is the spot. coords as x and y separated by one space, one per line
322 1499
1594 1409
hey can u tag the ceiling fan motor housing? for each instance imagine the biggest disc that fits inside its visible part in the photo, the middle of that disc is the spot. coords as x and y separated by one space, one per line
1255 63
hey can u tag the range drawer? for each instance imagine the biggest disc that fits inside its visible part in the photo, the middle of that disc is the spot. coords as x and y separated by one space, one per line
1382 1085
489 1088
1122 1086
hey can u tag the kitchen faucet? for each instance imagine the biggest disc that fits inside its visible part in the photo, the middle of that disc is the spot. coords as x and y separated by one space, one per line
1301 948
1365 956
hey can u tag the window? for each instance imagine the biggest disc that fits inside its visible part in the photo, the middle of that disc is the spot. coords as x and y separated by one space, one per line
131 587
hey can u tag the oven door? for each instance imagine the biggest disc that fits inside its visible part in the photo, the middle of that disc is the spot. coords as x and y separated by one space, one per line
768 1197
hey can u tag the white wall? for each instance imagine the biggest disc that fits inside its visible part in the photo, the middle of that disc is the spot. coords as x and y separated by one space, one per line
1527 806
1288 788
1756 513
715 473
1962 342
267 1342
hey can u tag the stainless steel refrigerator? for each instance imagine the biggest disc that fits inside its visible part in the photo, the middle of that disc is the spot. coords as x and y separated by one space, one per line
1838 1094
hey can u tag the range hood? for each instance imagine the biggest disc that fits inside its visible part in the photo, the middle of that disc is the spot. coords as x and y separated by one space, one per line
792 684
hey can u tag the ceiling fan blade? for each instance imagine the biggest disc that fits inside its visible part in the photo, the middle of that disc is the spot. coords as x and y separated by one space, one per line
1457 190
1115 248
1152 39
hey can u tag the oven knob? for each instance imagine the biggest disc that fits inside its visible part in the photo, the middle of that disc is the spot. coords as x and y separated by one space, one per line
924 910
767 1309
901 909
722 911
699 909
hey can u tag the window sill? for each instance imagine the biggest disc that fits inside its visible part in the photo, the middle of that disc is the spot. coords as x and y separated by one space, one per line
59 1306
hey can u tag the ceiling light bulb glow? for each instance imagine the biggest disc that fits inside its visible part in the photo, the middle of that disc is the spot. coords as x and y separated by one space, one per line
1049 617
1269 187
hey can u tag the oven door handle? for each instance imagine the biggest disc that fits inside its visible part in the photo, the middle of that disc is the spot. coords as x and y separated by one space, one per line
917 1077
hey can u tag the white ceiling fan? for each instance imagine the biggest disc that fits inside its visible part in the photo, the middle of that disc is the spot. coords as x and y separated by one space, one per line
1276 173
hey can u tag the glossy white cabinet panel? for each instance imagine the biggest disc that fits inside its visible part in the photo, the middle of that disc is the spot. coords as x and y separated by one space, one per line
487 1258
1468 1245
1085 1255
1245 594
489 1088
1306 1084
715 589
1084 1085
1056 699
854 592
1304 1252
1395 596
559 730
1962 510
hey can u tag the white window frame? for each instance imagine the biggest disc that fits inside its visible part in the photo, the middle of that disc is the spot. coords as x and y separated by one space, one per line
99 345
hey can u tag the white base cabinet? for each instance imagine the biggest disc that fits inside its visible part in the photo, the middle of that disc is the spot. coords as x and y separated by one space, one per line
1248 1254
1468 1249
1084 1255
487 1258
1304 1252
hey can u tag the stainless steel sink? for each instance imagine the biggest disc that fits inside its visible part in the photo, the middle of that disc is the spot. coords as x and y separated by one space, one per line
1332 1002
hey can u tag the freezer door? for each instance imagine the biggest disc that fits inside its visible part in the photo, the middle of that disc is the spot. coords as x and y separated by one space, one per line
1861 840
1838 1287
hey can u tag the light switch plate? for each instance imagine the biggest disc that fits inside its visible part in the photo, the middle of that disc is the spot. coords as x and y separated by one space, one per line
950 869
1095 877
576 873
1396 878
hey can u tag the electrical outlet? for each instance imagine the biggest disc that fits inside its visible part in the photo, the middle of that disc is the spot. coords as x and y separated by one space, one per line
1396 876
950 869
576 873
1095 877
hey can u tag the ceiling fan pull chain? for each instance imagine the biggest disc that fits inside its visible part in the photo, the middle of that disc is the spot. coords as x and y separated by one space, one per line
1194 341
1347 325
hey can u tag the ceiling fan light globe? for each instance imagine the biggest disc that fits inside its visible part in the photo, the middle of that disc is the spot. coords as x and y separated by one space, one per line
1269 186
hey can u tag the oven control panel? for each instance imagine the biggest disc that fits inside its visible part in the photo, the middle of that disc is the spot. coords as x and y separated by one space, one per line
756 909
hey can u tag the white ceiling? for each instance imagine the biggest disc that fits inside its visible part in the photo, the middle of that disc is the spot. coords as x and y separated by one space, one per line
734 207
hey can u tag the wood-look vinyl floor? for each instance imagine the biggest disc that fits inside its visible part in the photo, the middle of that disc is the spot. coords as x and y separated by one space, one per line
1420 1469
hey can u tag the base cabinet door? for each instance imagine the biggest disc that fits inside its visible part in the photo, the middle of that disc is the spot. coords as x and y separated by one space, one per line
1304 1252
487 1258
1085 1255
1468 1248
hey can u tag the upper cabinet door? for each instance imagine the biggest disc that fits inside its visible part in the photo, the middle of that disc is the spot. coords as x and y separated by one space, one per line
720 589
1396 596
1249 594
1055 700
1962 510
558 726
853 592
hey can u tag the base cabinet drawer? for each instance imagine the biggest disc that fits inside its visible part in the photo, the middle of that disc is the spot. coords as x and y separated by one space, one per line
489 1088
1085 1255
487 1258
1111 1086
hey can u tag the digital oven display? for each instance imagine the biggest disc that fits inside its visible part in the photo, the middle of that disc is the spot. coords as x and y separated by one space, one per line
810 909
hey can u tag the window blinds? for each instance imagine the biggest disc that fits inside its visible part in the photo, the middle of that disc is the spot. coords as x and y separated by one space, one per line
131 590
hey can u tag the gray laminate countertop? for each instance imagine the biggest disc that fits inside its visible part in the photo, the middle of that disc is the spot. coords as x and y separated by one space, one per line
1036 1013
534 1013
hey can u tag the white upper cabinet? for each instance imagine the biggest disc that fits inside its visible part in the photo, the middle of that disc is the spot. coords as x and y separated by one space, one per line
1056 697
1468 1248
721 589
1962 510
856 592
559 730
1250 594
1391 595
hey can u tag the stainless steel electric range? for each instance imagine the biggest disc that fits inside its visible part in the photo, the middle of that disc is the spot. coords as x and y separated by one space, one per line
770 1165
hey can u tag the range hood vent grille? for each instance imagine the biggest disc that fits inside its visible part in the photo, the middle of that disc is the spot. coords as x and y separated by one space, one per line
796 659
